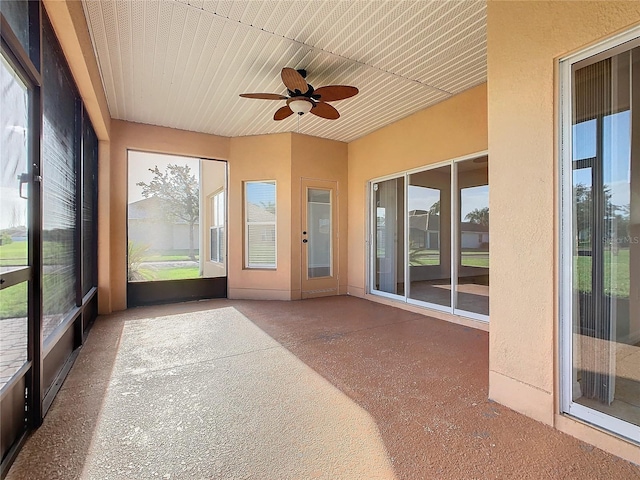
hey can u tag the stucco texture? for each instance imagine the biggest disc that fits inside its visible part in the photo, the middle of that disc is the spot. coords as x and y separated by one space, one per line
525 41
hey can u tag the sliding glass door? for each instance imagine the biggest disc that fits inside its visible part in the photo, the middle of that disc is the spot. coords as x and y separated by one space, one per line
437 241
601 241
388 237
429 212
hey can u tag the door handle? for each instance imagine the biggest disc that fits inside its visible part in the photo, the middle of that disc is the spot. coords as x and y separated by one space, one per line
23 178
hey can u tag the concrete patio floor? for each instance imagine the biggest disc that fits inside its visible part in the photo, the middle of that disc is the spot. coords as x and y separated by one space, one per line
328 388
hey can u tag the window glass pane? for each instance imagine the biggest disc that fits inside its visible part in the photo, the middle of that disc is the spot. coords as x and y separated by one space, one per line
606 238
261 201
320 234
388 241
261 245
472 291
429 206
59 185
17 14
14 124
260 215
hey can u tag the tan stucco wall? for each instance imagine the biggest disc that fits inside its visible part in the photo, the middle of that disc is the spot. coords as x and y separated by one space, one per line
318 159
525 40
260 157
448 130
136 136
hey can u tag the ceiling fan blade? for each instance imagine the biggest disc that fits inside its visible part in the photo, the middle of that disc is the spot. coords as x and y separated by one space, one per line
264 96
325 110
282 113
331 93
293 80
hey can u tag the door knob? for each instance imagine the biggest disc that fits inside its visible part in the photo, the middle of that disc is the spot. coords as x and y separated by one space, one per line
305 240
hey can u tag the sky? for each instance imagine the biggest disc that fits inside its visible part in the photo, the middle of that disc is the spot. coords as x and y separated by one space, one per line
141 162
616 154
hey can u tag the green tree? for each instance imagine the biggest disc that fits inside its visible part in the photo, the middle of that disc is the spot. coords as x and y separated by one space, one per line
179 192
479 215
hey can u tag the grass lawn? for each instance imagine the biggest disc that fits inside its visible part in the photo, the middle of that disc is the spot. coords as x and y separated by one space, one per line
179 273
13 301
13 254
419 258
168 257
616 273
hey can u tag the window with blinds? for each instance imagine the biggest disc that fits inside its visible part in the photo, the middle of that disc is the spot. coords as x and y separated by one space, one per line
260 224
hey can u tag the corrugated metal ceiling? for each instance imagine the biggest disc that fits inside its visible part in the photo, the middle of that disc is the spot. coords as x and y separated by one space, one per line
183 63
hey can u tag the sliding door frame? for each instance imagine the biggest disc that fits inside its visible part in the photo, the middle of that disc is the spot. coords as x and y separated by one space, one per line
609 48
455 230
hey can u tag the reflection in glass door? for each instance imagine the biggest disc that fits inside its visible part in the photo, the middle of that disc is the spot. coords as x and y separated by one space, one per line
388 236
602 244
472 288
319 233
437 241
429 205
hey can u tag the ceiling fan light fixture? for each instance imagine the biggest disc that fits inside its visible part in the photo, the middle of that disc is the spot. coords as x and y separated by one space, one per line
300 106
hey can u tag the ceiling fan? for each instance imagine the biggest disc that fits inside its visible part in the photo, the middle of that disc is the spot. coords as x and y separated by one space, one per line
303 98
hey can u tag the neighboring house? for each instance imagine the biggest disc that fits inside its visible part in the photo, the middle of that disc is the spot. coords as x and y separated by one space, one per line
424 232
148 226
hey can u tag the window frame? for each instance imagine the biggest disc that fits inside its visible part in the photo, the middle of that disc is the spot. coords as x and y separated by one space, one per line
218 227
454 231
247 264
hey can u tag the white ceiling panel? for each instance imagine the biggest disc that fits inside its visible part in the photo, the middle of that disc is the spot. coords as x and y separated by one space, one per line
183 63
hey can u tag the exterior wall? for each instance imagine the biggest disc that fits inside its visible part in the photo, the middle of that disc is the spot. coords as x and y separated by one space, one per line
525 41
450 129
317 159
136 136
261 157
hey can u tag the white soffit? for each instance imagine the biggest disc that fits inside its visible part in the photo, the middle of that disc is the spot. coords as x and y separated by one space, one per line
183 63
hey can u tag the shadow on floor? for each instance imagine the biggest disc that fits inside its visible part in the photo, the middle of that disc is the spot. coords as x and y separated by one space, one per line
423 382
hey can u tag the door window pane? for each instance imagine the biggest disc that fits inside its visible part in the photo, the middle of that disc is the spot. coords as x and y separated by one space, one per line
606 237
320 233
429 209
388 241
472 290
